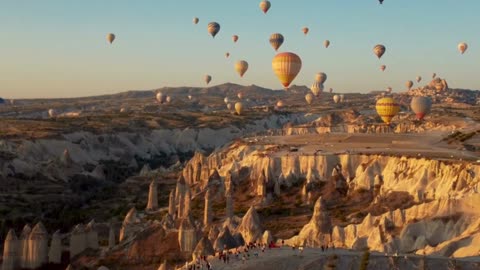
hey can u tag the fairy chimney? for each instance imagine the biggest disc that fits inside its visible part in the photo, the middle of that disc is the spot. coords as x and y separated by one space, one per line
152 203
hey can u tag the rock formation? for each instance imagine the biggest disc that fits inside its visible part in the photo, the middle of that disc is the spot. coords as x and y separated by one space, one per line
319 227
145 171
180 191
10 252
229 205
203 248
250 227
213 233
225 240
186 202
207 215
78 240
187 235
55 251
128 225
24 247
152 203
167 222
38 246
65 159
163 266
92 235
69 267
267 237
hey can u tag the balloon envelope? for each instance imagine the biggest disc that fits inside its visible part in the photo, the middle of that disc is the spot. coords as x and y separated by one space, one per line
239 108
208 78
421 106
316 88
326 43
226 100
240 95
235 38
286 66
195 20
280 104
321 77
462 47
419 78
227 55
110 37
387 108
213 29
241 67
52 113
265 6
159 97
379 50
383 67
409 84
276 40
336 98
305 30
309 98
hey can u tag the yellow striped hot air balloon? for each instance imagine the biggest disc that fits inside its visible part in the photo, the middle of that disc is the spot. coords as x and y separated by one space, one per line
387 108
286 66
213 29
241 67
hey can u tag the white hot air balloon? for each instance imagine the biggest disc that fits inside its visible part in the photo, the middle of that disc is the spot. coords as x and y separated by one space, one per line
336 98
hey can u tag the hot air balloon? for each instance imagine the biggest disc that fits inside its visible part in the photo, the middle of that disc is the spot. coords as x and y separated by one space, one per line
213 29
383 67
336 98
280 104
434 75
309 98
462 47
286 66
195 20
409 84
52 113
229 106
326 43
110 38
226 100
305 30
321 77
227 55
387 108
330 90
239 108
342 98
419 78
159 97
168 99
241 67
235 38
240 95
379 50
265 6
421 106
317 88
208 78
389 90
190 97
276 40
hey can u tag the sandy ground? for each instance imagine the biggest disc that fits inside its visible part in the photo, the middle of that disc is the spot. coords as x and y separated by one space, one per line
413 145
311 258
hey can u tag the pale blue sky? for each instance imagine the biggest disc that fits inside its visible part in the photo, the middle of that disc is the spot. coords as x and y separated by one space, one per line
57 48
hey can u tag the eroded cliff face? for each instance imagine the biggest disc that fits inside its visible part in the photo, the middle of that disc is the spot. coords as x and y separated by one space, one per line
442 219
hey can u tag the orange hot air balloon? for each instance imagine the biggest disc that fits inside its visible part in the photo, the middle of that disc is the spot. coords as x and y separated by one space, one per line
241 67
305 30
387 108
235 38
265 6
286 66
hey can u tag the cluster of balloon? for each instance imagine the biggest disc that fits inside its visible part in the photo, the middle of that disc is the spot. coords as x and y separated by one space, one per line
462 47
276 40
208 79
387 108
239 108
213 29
241 67
110 38
309 98
421 106
316 88
286 66
265 6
